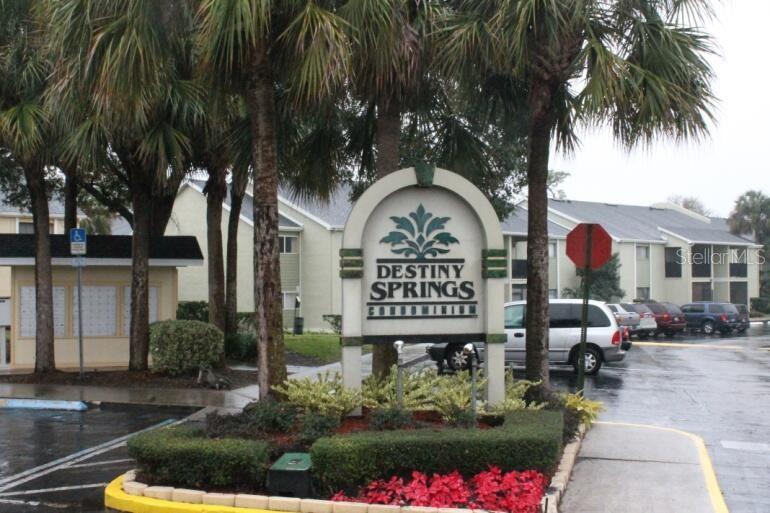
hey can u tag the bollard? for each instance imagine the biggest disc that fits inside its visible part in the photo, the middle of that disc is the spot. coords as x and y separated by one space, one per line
471 354
398 345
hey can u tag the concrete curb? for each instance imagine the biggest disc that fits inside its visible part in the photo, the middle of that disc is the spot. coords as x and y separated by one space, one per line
560 479
42 404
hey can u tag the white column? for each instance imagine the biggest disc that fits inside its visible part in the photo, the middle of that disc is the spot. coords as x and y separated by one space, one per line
494 368
351 370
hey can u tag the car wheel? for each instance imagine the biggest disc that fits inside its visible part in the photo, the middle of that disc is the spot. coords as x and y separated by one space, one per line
643 335
457 359
593 360
742 329
708 327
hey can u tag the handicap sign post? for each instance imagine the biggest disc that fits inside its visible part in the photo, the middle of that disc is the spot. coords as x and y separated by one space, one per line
78 251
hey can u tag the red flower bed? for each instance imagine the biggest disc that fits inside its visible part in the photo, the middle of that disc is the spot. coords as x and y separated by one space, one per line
512 492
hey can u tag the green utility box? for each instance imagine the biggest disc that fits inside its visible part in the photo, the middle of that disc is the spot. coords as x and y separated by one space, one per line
290 476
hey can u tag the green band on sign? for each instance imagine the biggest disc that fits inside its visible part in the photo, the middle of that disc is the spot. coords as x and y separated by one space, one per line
494 273
494 263
352 262
424 173
351 252
494 253
351 273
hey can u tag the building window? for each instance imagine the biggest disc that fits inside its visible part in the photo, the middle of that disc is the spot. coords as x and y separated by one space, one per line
28 227
553 294
739 292
643 293
738 268
673 262
642 252
290 300
518 292
287 244
701 261
701 291
518 268
551 250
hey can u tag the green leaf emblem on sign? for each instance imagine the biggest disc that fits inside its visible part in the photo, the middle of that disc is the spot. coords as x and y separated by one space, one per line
419 235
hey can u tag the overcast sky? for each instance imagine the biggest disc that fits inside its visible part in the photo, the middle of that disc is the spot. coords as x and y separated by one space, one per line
731 161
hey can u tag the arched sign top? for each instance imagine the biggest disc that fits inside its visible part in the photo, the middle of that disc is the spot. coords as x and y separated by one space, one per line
423 260
407 177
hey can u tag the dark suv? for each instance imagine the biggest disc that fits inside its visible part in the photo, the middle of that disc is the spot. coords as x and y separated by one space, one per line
669 317
711 317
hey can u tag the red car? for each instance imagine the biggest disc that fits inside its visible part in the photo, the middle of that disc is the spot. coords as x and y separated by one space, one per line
669 317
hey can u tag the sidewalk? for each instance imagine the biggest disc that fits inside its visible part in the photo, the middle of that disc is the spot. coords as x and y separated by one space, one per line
625 468
231 399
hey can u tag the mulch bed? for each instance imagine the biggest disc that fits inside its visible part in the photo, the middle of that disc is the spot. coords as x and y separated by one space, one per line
129 379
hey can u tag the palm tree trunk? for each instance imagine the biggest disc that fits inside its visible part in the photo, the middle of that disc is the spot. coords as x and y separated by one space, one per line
44 336
216 188
162 205
541 122
237 191
267 275
388 138
139 344
70 199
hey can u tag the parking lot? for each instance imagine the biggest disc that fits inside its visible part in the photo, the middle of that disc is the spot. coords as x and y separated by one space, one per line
61 461
717 387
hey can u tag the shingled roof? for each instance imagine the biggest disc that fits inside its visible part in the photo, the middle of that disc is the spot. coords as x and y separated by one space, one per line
19 249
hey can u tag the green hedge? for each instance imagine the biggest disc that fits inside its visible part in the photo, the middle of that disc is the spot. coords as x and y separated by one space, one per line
192 311
184 457
527 440
241 347
179 347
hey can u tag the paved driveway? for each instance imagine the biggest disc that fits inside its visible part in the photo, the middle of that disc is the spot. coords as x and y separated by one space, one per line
52 461
716 387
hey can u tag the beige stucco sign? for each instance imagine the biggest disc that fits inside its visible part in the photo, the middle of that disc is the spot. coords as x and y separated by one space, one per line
423 260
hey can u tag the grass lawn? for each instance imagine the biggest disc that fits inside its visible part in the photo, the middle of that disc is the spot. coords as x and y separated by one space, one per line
323 347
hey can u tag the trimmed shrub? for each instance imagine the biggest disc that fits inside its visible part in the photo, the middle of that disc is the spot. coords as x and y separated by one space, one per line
241 347
184 457
179 347
527 440
192 311
312 427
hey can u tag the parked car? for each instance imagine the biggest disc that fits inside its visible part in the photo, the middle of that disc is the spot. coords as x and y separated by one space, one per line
669 318
743 317
624 317
648 326
603 337
710 317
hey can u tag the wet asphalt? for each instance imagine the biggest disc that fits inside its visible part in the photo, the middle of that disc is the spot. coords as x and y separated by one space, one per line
717 387
40 470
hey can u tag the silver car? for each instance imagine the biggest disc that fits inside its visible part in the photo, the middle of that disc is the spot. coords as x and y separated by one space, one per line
604 339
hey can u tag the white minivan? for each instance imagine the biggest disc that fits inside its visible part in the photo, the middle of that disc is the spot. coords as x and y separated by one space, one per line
604 342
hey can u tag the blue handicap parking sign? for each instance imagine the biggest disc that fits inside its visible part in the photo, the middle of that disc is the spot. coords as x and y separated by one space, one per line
77 235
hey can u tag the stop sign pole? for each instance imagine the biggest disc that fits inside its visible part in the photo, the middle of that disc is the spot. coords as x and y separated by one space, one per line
584 313
589 246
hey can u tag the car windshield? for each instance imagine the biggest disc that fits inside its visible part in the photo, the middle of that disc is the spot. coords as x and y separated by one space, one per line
731 309
742 309
673 309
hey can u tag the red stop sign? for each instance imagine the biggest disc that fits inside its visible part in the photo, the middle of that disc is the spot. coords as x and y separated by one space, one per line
601 245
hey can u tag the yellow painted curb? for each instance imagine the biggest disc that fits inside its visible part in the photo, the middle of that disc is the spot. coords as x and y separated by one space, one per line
116 498
682 344
715 493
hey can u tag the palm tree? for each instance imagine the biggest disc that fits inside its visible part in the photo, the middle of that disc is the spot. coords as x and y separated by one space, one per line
638 67
259 49
25 130
130 105
751 215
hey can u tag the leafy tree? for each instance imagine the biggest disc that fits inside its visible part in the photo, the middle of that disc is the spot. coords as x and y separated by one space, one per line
638 67
690 203
751 215
605 282
555 180
129 107
27 150
293 51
